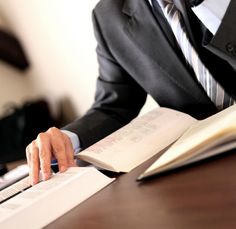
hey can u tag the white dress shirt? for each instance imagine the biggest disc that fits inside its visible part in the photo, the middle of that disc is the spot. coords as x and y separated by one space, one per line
74 140
210 12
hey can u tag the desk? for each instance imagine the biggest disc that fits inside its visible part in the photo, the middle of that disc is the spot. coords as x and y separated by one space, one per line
203 196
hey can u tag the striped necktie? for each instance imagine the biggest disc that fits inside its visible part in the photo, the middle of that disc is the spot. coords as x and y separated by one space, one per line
213 89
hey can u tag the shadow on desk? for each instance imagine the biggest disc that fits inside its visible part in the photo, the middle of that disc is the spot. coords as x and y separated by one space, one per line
200 196
185 168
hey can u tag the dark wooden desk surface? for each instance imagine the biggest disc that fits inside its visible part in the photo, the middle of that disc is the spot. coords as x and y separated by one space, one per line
203 196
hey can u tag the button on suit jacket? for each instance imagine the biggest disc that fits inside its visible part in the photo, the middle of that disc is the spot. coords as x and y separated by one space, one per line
137 56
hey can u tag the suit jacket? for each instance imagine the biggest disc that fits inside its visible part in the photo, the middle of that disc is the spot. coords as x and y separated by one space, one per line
137 56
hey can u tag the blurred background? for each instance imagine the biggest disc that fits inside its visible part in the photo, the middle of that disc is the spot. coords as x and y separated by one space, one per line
57 41
57 38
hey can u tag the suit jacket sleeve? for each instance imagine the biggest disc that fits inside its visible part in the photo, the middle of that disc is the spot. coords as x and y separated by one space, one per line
118 97
223 43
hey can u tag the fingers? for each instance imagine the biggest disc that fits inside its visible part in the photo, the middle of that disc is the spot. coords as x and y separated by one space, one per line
44 155
63 149
59 148
69 151
39 153
33 162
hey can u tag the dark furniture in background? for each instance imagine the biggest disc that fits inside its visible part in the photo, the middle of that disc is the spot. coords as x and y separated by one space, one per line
21 126
11 51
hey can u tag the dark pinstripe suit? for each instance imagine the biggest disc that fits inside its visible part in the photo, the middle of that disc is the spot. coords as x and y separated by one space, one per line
138 55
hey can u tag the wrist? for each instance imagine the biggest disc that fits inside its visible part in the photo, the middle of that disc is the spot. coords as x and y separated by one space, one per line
74 140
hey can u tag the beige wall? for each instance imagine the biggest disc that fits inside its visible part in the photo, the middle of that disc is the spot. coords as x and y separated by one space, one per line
58 38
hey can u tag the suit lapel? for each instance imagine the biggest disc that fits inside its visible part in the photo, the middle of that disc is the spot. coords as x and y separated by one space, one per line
144 30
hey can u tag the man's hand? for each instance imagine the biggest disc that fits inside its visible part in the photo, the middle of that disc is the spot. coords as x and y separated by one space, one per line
52 144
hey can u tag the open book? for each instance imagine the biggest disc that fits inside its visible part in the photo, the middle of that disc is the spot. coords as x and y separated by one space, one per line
142 138
203 139
36 206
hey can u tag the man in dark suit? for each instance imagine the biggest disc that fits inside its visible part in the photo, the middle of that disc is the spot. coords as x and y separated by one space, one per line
138 55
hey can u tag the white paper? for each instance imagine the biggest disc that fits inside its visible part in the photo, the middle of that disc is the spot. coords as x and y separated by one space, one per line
43 203
138 141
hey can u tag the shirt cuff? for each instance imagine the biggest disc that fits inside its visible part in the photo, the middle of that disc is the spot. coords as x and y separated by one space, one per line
74 140
211 13
76 146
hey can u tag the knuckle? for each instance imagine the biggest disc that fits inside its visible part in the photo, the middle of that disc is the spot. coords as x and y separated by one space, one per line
30 149
52 129
41 136
33 144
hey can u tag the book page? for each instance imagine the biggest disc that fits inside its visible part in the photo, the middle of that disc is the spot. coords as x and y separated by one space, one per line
138 141
200 136
41 204
13 176
14 189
